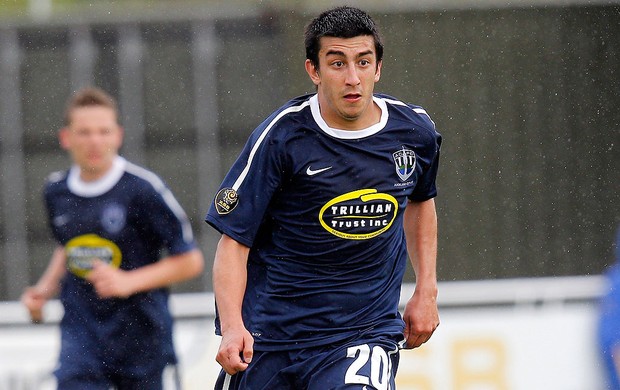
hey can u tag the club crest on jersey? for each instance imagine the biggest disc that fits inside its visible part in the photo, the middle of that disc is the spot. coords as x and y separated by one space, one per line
113 218
226 200
404 161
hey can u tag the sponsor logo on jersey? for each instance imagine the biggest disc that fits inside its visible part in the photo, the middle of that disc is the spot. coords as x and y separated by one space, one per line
83 250
404 161
359 215
226 200
113 218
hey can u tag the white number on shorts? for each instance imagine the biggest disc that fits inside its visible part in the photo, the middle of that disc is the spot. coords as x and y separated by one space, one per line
380 366
364 353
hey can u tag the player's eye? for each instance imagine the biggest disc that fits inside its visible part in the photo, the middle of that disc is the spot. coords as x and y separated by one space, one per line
338 64
364 62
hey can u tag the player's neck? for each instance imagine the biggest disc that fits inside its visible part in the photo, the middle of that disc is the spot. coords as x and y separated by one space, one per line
89 176
94 174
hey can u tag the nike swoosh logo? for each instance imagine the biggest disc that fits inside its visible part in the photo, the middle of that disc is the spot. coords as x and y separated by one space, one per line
311 172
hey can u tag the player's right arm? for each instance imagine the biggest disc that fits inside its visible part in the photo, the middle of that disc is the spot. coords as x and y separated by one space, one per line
229 282
35 297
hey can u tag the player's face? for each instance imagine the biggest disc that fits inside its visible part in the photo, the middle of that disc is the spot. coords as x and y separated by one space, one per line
92 138
345 79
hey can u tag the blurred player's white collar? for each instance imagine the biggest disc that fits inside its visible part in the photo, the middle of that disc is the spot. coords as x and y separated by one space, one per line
90 189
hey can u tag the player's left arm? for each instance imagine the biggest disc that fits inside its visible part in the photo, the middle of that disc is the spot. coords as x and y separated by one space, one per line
616 358
112 282
421 315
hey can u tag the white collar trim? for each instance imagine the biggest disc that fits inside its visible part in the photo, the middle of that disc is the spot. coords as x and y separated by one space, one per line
349 134
90 189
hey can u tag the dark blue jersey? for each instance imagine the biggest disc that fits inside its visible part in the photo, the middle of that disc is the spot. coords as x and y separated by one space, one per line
126 219
322 211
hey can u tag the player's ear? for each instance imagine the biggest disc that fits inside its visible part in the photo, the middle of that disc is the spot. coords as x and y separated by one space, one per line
63 138
121 135
313 72
378 71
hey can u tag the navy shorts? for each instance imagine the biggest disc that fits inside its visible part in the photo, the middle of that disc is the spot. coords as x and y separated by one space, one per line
85 370
364 364
107 382
84 364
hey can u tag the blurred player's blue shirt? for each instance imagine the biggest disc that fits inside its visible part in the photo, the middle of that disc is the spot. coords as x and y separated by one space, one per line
126 219
322 211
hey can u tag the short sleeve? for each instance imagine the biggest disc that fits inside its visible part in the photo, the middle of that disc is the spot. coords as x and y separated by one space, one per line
429 159
243 199
167 219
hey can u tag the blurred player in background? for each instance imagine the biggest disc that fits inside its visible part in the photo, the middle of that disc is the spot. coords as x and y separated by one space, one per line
317 215
111 219
609 322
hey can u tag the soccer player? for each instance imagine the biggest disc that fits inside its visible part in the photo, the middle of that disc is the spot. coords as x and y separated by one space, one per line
112 219
317 215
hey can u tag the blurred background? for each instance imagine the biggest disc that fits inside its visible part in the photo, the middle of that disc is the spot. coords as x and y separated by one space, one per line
525 94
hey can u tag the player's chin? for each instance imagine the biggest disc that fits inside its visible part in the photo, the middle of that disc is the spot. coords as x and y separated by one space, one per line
351 114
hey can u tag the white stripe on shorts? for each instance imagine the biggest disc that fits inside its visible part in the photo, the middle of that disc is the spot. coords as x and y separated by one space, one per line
226 384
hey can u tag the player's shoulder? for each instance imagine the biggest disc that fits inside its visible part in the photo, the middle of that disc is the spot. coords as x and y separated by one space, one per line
409 111
56 181
56 177
141 178
284 121
296 104
55 185
290 111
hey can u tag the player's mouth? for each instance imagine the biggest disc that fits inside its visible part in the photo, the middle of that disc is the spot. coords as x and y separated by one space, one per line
95 158
352 97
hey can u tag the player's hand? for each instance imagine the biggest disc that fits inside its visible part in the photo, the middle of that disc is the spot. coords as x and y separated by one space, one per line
34 299
236 350
421 318
108 281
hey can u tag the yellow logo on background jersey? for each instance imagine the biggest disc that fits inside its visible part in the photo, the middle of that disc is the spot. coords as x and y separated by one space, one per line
82 251
359 215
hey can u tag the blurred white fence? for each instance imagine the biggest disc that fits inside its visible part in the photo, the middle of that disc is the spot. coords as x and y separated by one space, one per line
517 334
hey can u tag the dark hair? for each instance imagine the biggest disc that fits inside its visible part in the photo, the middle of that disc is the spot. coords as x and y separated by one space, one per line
340 22
87 97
